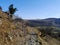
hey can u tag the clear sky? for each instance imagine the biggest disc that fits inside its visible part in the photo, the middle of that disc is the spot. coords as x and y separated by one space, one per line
34 9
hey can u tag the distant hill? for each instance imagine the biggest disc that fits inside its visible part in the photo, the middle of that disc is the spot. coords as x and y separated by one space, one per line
45 22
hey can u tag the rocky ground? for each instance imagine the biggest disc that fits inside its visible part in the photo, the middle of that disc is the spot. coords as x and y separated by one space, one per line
16 32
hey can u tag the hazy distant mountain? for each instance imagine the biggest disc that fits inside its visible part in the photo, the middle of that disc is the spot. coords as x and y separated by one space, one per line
45 22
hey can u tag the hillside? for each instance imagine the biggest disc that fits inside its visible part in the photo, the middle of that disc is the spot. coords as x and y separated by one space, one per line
17 32
45 22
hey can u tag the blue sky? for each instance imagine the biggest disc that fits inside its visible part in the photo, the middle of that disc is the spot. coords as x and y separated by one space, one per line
34 9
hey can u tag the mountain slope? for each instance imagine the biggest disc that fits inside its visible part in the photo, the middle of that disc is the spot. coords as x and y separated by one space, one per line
45 22
17 32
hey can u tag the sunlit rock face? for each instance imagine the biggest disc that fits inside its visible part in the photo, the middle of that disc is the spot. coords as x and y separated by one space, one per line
32 40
